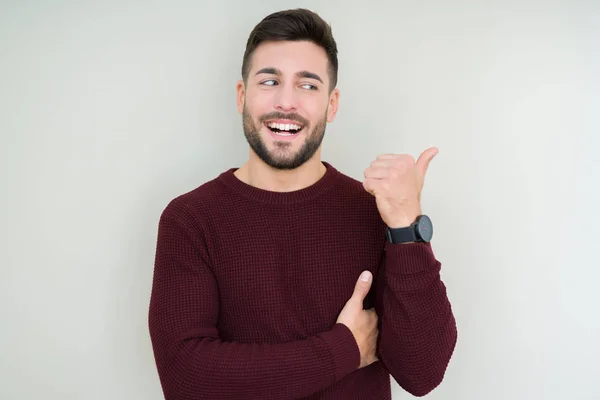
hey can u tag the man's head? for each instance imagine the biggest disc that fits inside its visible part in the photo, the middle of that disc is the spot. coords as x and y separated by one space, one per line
288 92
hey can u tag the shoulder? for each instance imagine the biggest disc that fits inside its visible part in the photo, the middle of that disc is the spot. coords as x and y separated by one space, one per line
354 190
357 206
351 193
193 206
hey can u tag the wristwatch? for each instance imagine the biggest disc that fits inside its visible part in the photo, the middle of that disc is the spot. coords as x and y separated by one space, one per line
419 231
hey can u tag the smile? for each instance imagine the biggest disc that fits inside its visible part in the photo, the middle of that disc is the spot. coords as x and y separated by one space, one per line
284 129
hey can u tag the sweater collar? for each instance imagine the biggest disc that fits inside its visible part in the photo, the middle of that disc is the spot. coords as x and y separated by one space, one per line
327 181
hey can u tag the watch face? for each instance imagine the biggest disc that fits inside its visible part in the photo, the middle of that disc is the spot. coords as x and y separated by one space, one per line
425 228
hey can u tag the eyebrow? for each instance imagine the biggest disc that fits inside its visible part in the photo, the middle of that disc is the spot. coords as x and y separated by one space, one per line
299 74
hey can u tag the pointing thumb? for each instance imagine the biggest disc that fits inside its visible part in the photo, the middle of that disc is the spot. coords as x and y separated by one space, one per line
363 285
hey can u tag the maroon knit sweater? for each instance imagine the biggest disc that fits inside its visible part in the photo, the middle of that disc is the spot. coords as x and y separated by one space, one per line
248 285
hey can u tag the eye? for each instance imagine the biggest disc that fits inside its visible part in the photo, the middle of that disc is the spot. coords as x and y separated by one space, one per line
309 86
270 82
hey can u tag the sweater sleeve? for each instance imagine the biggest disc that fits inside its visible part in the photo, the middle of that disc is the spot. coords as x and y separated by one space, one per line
418 331
194 363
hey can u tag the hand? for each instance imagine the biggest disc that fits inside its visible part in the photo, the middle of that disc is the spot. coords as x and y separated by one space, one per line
362 323
396 181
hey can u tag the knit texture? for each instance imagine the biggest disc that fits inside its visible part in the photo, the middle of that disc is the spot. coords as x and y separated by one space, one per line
248 285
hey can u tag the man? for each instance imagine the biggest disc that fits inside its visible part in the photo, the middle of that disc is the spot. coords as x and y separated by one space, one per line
256 291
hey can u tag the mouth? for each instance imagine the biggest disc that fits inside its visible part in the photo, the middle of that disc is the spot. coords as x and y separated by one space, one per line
284 129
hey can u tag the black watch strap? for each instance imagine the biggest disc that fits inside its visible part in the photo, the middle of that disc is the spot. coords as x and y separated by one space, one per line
401 235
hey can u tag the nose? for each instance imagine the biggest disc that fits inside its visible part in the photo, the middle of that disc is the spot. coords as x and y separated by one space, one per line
286 99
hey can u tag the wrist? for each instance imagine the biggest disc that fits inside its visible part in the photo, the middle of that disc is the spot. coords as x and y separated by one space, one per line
419 230
403 219
403 222
343 348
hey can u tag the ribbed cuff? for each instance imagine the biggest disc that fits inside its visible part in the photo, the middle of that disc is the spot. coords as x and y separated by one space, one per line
343 349
409 258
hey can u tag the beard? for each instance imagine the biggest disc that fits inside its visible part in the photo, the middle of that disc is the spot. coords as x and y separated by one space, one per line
279 158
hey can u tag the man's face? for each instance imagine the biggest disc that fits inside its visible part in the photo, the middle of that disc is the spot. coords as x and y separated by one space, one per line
286 102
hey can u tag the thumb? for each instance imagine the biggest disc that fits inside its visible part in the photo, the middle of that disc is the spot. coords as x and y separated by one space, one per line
362 287
424 160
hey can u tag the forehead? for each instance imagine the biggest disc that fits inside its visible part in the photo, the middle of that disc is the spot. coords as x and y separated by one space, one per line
290 57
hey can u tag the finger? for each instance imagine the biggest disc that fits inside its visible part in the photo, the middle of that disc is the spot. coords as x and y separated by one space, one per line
388 156
372 311
376 186
384 163
424 160
397 161
376 173
362 287
370 185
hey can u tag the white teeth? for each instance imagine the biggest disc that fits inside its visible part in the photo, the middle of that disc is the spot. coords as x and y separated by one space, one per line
284 127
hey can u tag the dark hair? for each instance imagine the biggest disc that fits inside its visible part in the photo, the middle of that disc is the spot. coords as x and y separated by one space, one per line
295 25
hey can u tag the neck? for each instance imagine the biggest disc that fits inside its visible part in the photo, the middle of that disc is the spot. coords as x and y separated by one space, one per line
260 175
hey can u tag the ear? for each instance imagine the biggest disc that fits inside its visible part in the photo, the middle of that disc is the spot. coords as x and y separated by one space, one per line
241 96
334 98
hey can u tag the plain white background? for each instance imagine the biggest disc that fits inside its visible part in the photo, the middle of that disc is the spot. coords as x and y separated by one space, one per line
110 109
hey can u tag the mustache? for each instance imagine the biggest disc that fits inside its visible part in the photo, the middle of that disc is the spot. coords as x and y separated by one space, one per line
280 115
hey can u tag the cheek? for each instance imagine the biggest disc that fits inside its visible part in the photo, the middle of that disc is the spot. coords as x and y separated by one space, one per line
258 105
317 110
